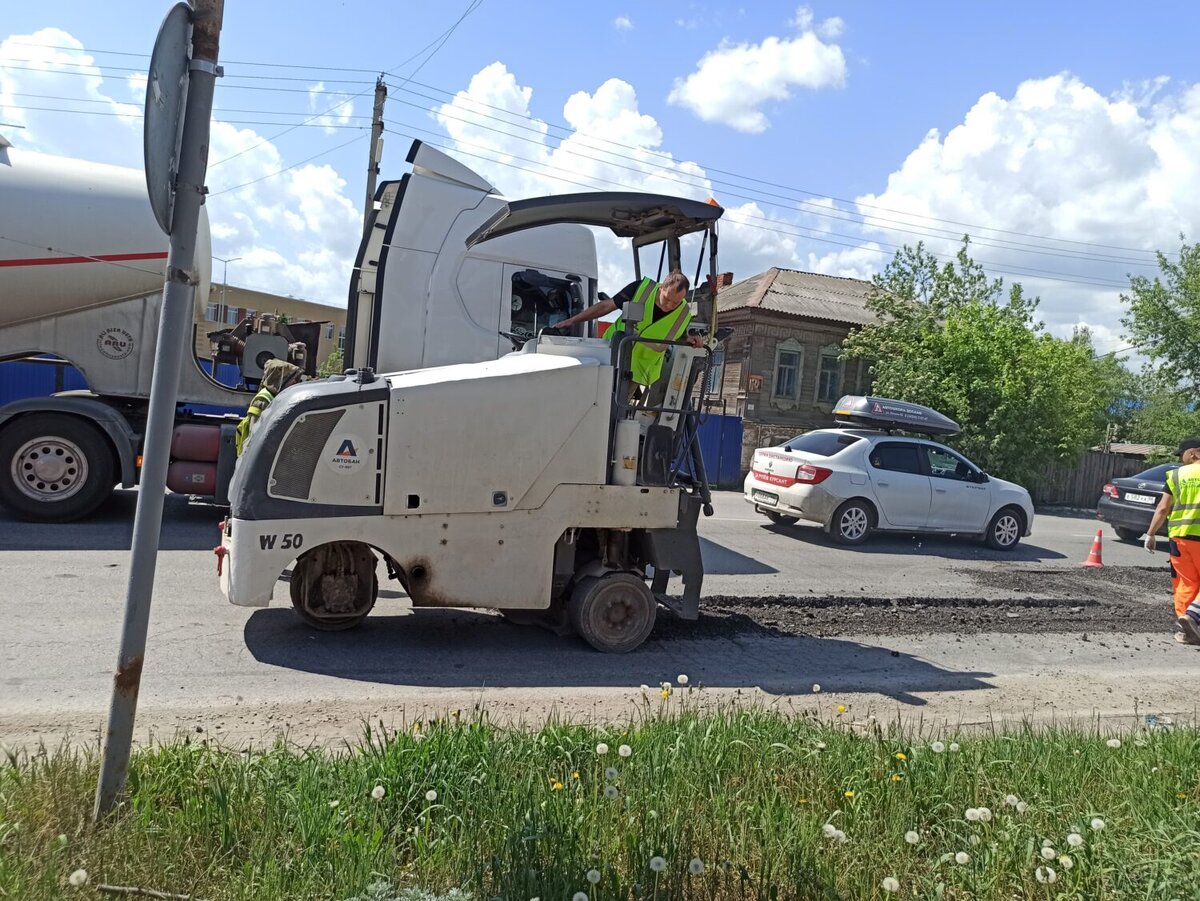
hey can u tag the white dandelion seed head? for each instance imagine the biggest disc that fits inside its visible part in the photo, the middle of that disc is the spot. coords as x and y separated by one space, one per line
657 864
912 837
985 814
1075 840
1113 743
1022 807
937 747
378 792
840 837
580 896
1046 843
695 866
1046 875
610 773
1154 769
602 749
816 689
644 688
1065 862
972 815
333 804
820 746
625 751
665 686
1048 853
828 830
431 796
953 746
78 878
62 838
1012 800
593 876
1097 824
962 858
682 679
611 791
890 884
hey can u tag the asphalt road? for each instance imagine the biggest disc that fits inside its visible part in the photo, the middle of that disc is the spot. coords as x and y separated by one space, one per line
934 630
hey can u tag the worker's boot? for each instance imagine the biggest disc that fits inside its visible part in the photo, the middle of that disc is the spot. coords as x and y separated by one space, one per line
1188 629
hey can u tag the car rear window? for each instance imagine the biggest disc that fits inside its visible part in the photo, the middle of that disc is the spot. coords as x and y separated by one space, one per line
822 444
1156 473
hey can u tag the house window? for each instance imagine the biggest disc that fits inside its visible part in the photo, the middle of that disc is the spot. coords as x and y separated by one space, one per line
789 358
212 312
329 330
342 338
829 376
716 373
231 316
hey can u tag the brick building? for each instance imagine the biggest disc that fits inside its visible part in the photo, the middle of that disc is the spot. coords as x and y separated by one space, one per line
781 371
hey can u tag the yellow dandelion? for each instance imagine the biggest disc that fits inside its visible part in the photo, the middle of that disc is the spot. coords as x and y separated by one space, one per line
849 794
896 777
841 708
557 786
575 775
900 755
1182 796
666 692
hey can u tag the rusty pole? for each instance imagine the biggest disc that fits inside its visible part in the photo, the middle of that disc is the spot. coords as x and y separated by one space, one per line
174 331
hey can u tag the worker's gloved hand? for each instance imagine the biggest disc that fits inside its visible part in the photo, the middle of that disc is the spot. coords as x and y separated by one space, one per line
1150 542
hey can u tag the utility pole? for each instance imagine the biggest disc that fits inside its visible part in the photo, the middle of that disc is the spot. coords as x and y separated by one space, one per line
174 330
376 150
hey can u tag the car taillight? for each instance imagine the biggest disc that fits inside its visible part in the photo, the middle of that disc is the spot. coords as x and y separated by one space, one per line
1111 490
812 475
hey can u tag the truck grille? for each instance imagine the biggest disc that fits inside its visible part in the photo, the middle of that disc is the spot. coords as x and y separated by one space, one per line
297 459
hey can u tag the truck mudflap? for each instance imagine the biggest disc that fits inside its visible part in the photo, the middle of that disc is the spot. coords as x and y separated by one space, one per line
678 550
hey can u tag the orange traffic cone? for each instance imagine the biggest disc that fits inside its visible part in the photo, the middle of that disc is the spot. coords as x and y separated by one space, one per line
1094 558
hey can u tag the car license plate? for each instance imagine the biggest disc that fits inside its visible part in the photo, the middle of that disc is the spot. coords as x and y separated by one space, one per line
765 497
1141 498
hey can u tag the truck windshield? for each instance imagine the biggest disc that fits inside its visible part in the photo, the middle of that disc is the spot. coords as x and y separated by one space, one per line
821 444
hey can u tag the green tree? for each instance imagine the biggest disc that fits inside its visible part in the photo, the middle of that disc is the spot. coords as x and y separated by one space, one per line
1163 315
953 339
334 364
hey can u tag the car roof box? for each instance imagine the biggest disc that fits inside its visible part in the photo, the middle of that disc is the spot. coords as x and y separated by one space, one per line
889 415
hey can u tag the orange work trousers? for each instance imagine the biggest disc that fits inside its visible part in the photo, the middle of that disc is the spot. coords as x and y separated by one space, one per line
1185 573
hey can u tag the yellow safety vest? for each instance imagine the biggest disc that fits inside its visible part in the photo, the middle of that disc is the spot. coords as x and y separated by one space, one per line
646 362
260 402
1184 485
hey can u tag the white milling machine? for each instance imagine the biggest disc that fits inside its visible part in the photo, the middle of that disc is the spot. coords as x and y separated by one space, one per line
525 484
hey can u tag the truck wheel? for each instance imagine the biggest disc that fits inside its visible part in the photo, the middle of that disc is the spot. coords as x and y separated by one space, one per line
54 468
614 613
334 586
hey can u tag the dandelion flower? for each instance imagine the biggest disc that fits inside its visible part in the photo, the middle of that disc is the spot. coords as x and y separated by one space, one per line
657 864
580 896
683 680
1046 843
378 792
575 775
1012 800
431 796
849 794
1065 862
557 786
593 876
841 708
912 837
611 791
643 688
666 693
840 837
1114 743
972 815
334 804
816 689
625 751
62 838
78 879
1022 807
890 884
962 858
985 814
610 773
602 749
829 830
896 777
953 746
1048 853
820 746
900 755
1075 840
1097 824
695 866
937 747
1046 874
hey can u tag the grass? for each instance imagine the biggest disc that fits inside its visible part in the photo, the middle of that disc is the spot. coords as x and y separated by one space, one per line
524 814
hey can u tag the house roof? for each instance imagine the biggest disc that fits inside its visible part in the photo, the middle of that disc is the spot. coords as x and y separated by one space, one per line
806 294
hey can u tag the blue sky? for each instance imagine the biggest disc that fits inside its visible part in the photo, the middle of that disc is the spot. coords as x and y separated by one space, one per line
1059 135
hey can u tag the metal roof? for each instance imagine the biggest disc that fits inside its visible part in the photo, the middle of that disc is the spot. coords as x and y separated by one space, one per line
1134 450
807 294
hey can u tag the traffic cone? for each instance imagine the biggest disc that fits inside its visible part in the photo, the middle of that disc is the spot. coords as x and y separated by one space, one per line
1094 558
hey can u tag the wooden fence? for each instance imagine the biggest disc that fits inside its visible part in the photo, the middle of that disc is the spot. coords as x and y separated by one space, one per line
1079 484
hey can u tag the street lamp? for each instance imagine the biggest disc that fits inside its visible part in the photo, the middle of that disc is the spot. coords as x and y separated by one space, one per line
225 281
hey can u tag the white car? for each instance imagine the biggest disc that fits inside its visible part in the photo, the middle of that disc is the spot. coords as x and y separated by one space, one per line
854 481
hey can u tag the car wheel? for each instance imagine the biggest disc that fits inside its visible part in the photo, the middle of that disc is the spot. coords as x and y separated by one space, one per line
1130 535
781 519
1004 531
852 522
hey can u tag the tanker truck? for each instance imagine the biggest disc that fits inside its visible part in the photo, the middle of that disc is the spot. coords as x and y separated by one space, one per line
81 275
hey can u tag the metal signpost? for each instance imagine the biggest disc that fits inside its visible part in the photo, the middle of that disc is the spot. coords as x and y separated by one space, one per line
179 88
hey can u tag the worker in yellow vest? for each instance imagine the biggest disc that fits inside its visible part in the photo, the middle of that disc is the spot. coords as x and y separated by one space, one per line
277 375
656 311
1180 510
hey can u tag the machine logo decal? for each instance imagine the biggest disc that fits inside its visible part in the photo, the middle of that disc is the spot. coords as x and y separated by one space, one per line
115 343
346 458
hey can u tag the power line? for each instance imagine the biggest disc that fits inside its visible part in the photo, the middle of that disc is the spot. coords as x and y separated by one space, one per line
286 168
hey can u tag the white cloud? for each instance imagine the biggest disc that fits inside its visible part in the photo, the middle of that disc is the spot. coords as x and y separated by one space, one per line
335 108
623 23
733 82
